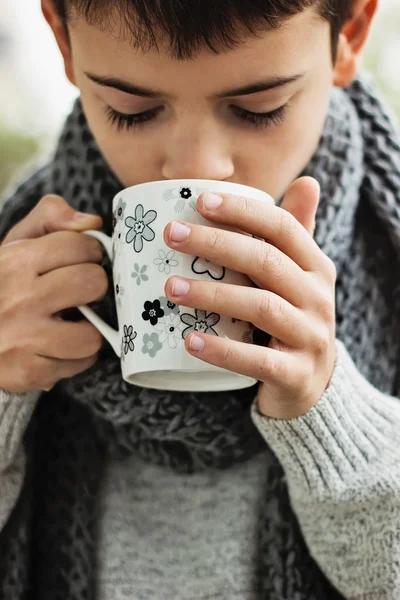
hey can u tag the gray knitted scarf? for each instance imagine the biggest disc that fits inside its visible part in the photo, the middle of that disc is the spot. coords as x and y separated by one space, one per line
48 548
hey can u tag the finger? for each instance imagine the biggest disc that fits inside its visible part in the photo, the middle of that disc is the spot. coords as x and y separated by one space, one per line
271 223
52 370
53 251
267 266
42 373
301 200
265 310
264 364
70 287
52 214
68 340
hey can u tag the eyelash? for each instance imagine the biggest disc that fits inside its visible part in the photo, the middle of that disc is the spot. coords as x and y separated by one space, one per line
122 121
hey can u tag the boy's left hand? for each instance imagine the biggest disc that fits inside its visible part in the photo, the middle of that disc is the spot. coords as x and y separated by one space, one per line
294 301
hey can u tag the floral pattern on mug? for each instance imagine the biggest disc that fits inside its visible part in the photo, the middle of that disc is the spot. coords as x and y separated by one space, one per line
151 344
200 322
170 330
168 307
152 312
119 290
120 209
127 340
118 239
203 266
183 196
166 261
140 273
139 229
248 335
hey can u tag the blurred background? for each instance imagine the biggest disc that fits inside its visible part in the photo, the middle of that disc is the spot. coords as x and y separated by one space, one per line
36 96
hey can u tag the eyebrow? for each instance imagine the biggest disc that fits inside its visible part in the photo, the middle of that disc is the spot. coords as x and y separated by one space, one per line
135 90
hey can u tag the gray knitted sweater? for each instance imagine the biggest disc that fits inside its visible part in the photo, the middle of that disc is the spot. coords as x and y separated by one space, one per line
350 515
165 535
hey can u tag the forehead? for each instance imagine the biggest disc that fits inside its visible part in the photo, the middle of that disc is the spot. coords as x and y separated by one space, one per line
109 51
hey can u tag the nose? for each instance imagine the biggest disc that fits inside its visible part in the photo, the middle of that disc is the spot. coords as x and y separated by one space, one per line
198 154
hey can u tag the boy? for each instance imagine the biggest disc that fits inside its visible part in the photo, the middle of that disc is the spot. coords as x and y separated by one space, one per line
288 491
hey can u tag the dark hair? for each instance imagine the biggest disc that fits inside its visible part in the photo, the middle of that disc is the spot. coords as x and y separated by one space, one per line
190 25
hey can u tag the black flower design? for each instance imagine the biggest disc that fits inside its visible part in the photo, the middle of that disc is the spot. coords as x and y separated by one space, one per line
139 229
152 312
127 339
185 193
202 266
200 322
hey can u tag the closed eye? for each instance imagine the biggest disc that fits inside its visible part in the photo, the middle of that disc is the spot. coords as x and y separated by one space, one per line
130 121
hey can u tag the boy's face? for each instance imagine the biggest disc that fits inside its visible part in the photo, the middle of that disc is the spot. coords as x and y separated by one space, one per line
196 134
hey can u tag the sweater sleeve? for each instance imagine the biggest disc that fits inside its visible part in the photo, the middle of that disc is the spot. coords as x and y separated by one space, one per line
15 413
342 464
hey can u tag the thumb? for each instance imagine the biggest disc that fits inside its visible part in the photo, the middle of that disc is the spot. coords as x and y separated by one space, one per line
52 214
301 200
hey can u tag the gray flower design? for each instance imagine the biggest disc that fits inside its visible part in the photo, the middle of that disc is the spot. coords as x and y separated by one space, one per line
119 290
127 340
170 329
120 209
165 261
139 229
201 322
183 196
118 239
168 306
151 344
140 273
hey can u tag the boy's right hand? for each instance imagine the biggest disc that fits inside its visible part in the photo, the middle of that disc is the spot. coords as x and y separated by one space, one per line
46 266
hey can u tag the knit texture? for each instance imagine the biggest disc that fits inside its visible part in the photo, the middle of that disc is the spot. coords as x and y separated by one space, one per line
48 545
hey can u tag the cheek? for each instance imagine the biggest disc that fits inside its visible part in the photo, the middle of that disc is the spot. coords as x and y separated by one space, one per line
288 151
132 155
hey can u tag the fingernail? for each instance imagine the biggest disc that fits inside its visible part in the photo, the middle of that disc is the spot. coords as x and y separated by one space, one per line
180 287
179 232
196 343
212 201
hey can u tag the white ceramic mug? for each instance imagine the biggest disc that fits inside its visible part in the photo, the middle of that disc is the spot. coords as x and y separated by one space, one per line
152 330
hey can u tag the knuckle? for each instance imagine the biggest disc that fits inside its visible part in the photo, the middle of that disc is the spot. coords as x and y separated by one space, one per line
244 206
97 280
47 206
51 208
326 307
265 307
332 271
216 295
94 341
228 355
94 248
213 240
287 224
272 258
17 256
50 203
321 344
267 368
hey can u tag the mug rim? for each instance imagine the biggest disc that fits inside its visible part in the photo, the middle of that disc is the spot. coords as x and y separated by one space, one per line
192 181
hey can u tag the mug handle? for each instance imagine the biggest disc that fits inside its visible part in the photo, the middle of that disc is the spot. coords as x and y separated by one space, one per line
111 335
